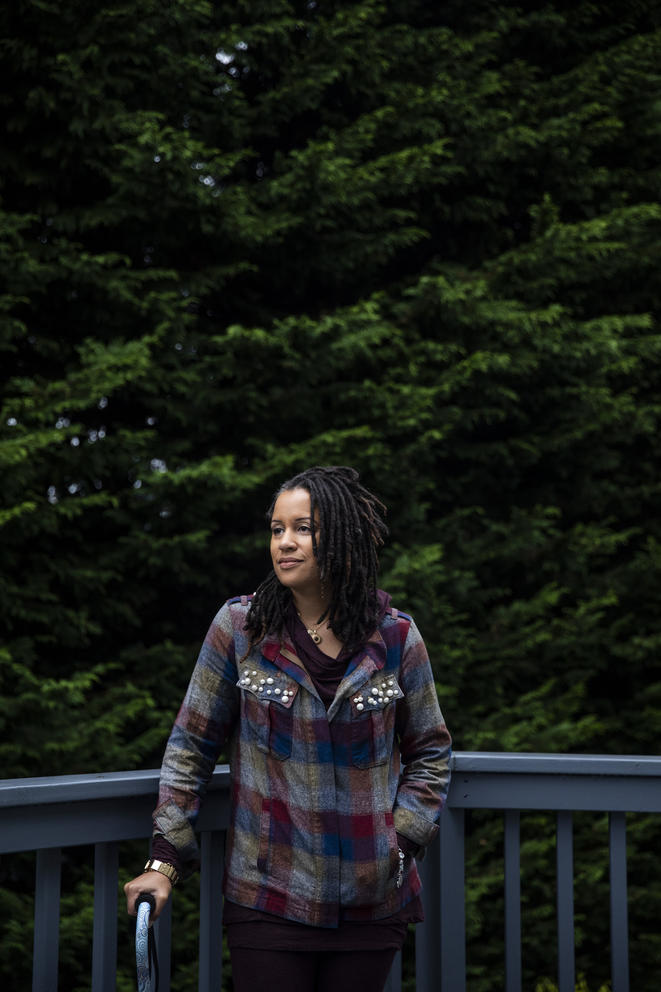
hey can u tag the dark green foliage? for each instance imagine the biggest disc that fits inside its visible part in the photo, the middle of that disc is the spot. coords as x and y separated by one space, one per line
423 239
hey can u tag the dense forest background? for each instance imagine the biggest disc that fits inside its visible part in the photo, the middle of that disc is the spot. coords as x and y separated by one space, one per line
424 239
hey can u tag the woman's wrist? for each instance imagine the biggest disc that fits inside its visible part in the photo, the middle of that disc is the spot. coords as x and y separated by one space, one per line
163 850
170 872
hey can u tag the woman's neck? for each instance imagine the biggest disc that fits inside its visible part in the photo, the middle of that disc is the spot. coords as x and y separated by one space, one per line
310 609
310 606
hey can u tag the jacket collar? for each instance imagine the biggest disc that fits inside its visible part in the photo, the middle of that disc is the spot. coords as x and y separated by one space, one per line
284 657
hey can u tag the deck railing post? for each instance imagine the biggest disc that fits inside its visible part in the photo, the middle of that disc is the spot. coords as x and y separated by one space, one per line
46 946
394 979
565 901
104 940
618 900
211 911
427 946
512 901
453 909
163 937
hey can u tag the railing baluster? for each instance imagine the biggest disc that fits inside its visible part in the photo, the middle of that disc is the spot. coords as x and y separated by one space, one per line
618 896
565 902
46 920
453 910
163 937
394 980
104 941
427 946
512 902
211 911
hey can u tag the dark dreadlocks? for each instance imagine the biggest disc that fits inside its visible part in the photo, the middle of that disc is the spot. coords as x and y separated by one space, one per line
351 530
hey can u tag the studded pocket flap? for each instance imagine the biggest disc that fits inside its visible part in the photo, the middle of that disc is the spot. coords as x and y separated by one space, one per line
376 694
268 685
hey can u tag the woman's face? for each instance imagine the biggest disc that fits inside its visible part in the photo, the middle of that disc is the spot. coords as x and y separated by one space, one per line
291 543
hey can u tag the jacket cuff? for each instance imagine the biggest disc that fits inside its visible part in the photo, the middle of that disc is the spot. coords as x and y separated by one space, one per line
407 846
163 850
173 828
419 831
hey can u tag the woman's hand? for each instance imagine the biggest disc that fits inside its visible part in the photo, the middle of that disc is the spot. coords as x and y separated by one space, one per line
154 882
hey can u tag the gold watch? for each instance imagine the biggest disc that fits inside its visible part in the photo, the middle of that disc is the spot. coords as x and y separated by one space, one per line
165 869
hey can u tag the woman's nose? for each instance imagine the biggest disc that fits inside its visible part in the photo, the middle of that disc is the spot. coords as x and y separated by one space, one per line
287 539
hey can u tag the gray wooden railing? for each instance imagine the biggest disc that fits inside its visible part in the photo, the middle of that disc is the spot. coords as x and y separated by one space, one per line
48 814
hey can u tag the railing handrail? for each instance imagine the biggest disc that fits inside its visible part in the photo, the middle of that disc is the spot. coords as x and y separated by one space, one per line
80 788
540 763
144 782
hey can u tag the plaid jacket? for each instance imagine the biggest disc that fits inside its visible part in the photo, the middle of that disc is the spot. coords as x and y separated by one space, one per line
316 796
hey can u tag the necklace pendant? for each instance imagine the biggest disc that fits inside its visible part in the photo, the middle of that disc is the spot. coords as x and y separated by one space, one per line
315 636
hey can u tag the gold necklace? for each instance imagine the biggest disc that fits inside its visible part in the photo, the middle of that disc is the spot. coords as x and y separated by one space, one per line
312 630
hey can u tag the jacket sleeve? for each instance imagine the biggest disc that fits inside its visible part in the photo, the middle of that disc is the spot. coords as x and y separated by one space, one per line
204 722
425 746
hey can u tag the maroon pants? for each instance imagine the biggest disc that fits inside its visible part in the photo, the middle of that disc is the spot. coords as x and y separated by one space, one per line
310 971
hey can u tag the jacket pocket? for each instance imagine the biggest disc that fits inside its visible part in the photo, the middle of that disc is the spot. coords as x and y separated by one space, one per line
266 709
370 875
274 856
373 721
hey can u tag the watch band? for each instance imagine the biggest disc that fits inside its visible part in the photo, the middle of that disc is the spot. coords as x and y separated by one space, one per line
164 868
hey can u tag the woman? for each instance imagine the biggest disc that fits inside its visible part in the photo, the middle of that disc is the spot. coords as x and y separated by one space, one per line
338 753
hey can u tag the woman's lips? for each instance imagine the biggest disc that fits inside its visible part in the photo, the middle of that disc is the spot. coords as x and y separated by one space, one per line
288 563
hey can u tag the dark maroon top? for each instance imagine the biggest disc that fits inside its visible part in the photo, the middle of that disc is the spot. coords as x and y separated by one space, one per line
254 929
